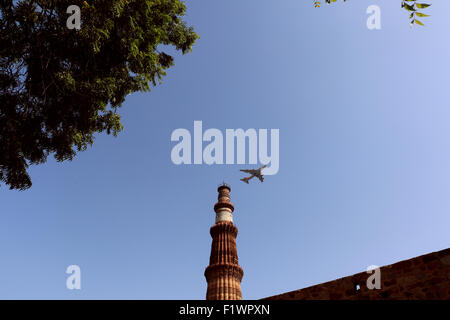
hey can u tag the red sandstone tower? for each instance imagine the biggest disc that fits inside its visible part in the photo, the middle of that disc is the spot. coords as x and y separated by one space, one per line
223 274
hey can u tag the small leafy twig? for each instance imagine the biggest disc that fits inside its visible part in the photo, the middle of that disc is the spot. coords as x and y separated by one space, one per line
317 3
412 6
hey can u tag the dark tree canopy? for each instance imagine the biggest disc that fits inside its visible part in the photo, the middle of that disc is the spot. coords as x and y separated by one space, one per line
60 86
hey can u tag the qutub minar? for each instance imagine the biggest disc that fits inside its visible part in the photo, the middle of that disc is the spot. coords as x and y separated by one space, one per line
423 277
224 274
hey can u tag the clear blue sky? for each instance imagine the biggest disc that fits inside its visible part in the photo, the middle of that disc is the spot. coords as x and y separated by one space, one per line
364 175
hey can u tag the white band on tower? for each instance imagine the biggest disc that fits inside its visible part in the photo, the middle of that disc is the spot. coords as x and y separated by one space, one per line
224 214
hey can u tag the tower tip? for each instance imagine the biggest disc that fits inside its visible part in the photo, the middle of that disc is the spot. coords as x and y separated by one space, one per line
224 185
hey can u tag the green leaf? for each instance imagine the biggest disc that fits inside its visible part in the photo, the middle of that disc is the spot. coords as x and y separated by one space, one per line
418 22
409 7
422 5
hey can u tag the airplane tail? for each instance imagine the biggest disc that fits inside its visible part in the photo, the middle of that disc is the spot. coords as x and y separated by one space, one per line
245 180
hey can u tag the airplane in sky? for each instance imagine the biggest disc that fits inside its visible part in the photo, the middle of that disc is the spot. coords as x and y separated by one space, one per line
254 173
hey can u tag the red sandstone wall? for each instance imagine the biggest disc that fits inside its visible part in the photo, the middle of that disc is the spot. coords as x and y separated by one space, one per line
423 277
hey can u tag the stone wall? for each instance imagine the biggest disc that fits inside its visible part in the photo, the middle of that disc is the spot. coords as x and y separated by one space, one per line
423 277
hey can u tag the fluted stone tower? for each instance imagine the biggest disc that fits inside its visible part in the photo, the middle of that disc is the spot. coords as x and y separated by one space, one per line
223 274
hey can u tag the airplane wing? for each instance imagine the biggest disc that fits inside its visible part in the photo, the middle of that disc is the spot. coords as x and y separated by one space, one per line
246 179
261 178
245 170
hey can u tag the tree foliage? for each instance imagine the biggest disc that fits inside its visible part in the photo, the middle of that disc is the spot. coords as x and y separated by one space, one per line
412 6
58 87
